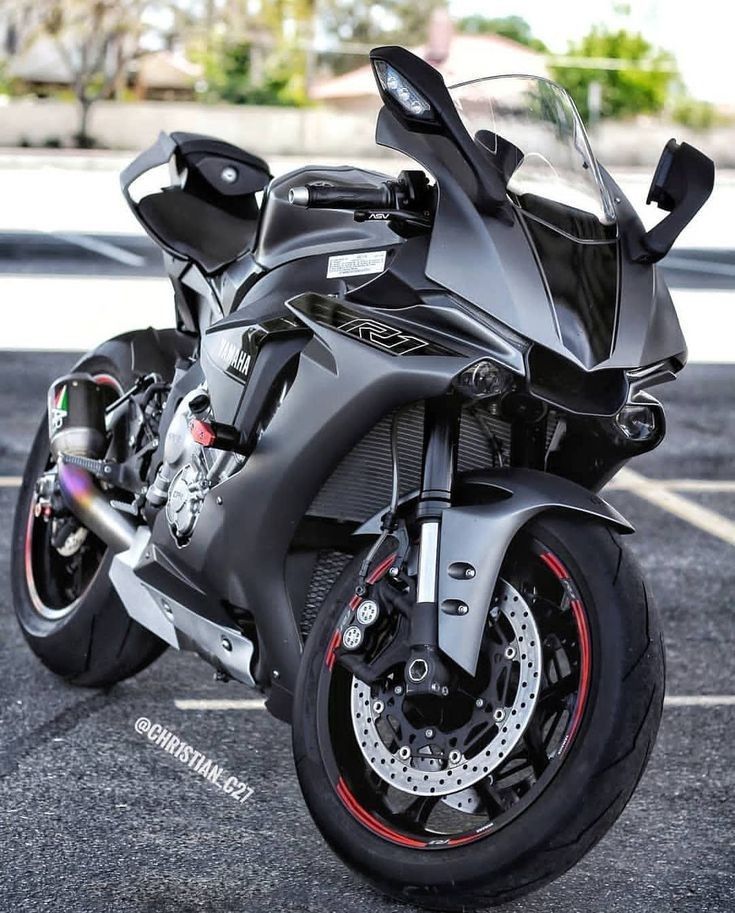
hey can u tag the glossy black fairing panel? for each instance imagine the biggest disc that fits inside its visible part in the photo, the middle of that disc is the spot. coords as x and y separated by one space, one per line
583 282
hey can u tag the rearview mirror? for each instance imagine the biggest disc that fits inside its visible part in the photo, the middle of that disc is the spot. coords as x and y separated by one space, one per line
681 185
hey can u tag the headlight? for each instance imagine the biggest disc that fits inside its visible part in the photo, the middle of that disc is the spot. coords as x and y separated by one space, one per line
638 423
483 380
391 81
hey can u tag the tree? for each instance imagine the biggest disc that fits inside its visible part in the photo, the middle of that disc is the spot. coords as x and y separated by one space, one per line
514 27
97 40
261 59
367 24
640 85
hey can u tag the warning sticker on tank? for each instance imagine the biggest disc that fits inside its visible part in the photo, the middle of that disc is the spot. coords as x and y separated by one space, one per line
369 261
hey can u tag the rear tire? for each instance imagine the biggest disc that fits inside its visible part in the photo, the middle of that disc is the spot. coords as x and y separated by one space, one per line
595 777
92 642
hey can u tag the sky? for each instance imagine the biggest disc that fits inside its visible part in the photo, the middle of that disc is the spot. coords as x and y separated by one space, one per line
701 35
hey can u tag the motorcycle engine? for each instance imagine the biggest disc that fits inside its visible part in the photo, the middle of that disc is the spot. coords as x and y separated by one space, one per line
187 473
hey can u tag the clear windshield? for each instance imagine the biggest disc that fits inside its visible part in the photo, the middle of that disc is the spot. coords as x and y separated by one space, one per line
531 129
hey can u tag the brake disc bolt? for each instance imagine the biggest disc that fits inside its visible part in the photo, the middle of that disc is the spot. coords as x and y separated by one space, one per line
398 689
455 757
499 715
429 733
435 686
479 703
510 653
404 752
378 708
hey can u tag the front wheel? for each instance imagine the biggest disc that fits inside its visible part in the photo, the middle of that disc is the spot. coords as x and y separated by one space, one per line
482 795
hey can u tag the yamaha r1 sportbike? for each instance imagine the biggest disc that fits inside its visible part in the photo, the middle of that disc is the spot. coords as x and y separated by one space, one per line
362 475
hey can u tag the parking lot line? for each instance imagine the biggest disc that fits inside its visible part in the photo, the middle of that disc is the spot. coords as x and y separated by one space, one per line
622 483
700 700
660 495
220 704
671 700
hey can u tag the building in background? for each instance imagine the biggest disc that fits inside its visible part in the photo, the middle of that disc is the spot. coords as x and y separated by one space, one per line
34 61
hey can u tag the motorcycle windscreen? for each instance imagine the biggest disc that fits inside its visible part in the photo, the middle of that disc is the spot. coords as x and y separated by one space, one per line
531 132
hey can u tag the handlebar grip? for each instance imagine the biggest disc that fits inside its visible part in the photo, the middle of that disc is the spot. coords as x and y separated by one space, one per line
357 196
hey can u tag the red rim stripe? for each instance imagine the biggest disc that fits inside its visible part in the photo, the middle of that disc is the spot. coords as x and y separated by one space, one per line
332 648
585 650
366 819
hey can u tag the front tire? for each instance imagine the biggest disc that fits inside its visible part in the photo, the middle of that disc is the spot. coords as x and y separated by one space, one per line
596 764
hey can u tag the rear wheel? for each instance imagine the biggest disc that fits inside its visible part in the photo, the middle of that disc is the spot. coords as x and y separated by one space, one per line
66 605
483 795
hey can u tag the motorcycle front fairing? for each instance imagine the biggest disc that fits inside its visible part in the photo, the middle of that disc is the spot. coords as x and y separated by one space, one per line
515 267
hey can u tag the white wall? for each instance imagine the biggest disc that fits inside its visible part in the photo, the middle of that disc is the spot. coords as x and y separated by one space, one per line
304 132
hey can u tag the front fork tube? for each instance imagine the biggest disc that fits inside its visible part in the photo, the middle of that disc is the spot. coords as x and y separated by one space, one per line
425 671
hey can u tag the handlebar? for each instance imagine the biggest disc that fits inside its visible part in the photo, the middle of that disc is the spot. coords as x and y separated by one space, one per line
356 196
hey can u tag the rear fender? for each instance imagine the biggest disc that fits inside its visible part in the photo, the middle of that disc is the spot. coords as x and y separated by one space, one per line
491 507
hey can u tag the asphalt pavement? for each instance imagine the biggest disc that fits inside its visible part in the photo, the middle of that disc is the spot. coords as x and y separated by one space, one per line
94 818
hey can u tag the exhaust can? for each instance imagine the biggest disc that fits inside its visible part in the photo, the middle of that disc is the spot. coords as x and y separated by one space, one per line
76 416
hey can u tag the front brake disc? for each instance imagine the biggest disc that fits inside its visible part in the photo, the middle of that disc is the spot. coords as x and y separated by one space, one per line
420 771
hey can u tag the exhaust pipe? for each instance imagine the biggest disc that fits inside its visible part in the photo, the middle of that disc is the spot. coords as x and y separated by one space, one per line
76 415
89 504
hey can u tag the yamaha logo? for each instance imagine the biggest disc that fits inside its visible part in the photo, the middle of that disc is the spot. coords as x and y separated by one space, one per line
234 358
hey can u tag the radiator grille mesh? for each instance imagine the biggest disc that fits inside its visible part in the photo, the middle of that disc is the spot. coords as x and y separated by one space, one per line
361 484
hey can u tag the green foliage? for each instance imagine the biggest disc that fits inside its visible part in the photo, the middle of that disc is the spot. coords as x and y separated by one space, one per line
625 92
514 27
697 115
366 24
239 74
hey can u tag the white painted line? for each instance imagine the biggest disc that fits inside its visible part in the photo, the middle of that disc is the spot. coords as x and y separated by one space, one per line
699 700
220 704
704 485
695 514
715 486
111 251
722 486
671 700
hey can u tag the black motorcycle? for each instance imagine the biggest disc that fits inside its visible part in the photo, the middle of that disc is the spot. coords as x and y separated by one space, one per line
362 475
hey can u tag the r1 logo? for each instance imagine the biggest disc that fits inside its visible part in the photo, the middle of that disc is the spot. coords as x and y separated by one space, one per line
382 337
